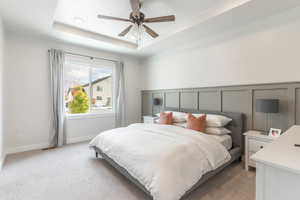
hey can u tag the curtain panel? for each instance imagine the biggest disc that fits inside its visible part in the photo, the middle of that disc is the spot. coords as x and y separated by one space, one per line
120 95
56 64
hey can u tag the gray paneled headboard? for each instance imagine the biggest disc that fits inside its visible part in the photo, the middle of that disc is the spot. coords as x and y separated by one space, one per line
239 98
235 126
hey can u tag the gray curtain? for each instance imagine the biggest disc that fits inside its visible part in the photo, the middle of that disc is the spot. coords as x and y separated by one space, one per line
56 64
120 95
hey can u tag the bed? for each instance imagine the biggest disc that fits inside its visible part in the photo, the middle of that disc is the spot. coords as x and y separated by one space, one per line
233 145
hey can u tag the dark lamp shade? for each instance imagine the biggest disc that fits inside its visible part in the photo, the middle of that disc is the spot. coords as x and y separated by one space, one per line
267 105
156 101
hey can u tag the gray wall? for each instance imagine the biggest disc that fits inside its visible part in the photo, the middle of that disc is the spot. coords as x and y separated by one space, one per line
233 99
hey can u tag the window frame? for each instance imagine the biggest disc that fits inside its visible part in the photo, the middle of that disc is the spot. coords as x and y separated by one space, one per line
91 64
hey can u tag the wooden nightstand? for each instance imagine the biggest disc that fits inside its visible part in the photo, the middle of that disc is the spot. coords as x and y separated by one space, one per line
149 119
254 142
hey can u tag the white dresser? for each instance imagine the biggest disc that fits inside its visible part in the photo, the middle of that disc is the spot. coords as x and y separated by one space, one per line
278 168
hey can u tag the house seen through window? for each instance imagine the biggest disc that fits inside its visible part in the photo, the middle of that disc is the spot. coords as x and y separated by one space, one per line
88 87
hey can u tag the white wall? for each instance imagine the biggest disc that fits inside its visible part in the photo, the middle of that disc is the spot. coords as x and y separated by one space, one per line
27 104
262 52
2 156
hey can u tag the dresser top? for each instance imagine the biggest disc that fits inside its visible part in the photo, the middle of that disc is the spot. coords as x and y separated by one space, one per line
282 153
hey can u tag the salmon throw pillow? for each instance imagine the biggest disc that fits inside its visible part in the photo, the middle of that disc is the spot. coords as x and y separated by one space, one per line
166 118
197 124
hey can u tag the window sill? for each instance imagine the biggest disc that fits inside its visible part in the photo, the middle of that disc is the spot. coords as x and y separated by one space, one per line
89 116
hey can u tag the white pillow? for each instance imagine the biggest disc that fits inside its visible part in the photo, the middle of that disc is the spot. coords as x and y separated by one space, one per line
181 124
217 120
217 131
214 120
208 130
177 116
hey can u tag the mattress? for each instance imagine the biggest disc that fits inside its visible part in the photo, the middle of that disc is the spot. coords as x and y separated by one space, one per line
225 140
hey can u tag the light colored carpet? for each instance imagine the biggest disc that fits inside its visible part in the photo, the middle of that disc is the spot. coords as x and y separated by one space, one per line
73 173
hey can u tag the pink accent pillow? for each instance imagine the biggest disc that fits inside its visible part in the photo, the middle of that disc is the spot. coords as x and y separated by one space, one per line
166 118
197 124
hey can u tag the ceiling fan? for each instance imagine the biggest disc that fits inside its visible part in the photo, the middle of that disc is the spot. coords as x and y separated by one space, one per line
138 19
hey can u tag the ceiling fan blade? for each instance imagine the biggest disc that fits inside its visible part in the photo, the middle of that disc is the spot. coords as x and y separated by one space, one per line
150 31
135 5
113 18
168 18
123 33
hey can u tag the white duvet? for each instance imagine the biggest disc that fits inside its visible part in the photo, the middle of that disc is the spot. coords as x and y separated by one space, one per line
167 160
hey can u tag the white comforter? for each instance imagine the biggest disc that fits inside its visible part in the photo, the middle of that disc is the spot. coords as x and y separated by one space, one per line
167 160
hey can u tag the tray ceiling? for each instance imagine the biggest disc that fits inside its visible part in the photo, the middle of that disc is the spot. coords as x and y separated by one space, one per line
83 14
77 21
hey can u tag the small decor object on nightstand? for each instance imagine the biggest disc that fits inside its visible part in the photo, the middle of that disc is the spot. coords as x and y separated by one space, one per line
274 132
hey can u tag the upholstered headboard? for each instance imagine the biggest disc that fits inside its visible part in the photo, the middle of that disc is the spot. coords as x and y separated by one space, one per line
235 126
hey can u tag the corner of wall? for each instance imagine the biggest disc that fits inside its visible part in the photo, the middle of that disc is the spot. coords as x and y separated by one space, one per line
2 47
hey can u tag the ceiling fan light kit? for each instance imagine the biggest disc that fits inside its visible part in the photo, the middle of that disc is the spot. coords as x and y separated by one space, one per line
135 33
137 18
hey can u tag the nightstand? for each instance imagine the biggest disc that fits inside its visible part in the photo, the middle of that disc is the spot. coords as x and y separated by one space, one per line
149 119
254 141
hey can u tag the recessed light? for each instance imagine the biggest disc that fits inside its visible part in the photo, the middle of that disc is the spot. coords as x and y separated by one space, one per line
78 20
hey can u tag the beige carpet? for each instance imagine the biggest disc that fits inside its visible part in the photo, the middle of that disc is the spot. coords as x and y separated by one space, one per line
73 173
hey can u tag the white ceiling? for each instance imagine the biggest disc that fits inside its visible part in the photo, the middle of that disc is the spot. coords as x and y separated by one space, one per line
194 18
67 11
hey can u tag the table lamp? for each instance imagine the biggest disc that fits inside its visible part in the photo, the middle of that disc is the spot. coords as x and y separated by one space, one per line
267 106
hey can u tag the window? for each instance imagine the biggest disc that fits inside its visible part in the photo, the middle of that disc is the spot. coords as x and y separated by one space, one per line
88 86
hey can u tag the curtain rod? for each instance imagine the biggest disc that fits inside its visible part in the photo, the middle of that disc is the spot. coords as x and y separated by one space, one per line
92 57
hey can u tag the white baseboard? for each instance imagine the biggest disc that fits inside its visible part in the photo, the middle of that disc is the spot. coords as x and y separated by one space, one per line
27 148
46 145
2 160
80 139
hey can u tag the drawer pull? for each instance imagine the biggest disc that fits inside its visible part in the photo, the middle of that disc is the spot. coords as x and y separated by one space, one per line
255 145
